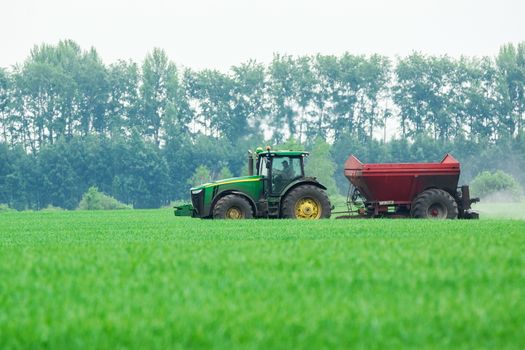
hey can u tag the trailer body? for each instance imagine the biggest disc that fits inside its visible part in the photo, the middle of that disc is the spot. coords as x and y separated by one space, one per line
392 189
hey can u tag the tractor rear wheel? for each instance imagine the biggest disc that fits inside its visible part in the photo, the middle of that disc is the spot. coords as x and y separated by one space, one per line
306 202
434 204
232 207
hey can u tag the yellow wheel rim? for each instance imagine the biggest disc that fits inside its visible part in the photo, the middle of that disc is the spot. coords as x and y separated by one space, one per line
307 208
234 213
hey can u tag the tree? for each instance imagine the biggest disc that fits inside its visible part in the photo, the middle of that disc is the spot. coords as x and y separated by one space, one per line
5 170
375 77
59 180
291 144
225 173
212 93
320 165
511 64
142 172
93 199
249 100
40 84
5 105
347 95
282 93
304 89
475 103
326 72
201 176
499 186
93 93
410 94
158 92
123 104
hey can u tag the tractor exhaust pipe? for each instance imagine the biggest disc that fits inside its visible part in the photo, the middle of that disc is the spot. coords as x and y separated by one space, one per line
250 163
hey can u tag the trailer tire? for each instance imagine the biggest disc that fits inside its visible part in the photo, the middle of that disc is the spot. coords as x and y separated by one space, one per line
434 204
232 207
306 202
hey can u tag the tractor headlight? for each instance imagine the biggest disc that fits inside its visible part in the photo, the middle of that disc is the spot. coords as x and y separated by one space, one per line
196 191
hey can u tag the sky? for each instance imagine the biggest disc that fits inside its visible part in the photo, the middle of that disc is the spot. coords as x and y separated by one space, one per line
217 34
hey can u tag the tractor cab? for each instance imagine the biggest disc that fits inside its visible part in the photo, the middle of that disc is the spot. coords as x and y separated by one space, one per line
279 168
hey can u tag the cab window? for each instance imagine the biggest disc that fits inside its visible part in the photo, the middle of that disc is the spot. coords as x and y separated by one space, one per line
286 167
263 169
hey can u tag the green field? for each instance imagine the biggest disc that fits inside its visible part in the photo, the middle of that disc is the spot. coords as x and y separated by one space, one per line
145 279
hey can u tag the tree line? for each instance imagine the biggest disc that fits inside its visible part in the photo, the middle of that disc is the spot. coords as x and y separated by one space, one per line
139 131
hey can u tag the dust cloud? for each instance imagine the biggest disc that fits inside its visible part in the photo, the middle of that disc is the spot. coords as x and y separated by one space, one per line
500 205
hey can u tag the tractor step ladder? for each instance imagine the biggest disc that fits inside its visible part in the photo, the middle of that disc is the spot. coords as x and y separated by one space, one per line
274 207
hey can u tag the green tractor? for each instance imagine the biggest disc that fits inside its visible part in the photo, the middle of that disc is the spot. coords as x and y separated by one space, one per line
277 189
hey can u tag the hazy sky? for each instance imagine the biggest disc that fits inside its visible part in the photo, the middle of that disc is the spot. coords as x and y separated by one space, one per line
221 33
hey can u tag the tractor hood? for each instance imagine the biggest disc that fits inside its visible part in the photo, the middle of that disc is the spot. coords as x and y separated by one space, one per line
227 181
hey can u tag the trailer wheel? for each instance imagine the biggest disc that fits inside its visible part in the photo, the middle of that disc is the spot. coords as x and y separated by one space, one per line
232 207
434 204
306 202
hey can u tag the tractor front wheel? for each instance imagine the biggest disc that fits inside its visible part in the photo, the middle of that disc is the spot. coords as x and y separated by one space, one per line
232 207
306 202
434 204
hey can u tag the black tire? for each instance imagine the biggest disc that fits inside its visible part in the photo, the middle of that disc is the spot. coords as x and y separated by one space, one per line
232 207
310 198
434 204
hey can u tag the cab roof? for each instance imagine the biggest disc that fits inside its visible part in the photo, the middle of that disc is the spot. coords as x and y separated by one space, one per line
283 153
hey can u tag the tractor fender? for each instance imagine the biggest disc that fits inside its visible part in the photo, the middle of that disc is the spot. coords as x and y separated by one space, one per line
300 183
238 193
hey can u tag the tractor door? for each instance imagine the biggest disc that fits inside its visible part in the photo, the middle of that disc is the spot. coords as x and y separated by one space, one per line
263 169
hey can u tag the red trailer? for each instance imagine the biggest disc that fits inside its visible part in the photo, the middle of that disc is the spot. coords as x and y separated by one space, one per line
420 190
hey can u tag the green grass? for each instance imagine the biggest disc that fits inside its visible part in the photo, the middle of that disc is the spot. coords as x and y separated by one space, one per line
146 279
